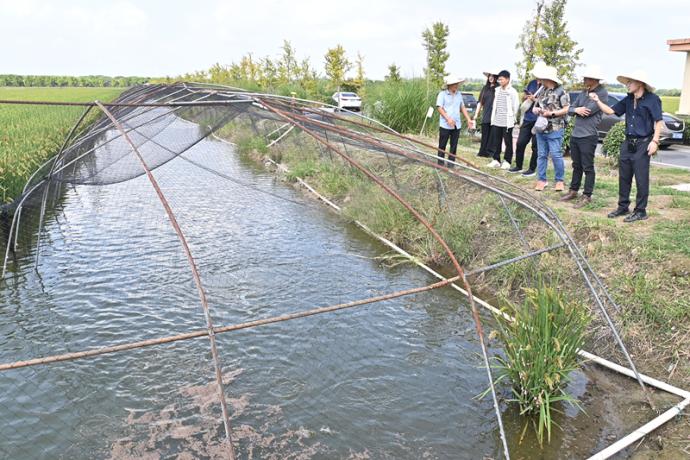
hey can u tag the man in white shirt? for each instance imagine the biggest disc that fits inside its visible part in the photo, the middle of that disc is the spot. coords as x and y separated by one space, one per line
503 118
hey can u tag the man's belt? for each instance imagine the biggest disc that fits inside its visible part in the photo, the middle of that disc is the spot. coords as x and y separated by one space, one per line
636 139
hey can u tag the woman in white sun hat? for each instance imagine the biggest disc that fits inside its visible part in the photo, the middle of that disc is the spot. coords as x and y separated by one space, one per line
643 123
450 104
585 135
552 107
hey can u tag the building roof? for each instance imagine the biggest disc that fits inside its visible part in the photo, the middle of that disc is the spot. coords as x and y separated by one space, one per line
679 44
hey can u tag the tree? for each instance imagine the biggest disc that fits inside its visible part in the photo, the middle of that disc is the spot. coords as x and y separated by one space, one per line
527 43
393 73
337 65
269 73
545 36
359 76
555 46
287 65
435 43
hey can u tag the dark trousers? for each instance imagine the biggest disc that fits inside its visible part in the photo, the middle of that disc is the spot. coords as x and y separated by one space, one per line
525 137
582 153
498 134
634 164
443 136
486 135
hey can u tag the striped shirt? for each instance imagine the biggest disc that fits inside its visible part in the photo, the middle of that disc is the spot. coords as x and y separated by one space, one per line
506 106
501 102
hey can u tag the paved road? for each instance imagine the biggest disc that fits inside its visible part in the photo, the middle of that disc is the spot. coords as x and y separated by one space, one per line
675 155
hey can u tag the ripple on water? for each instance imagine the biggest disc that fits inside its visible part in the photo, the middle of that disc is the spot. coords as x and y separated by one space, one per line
394 379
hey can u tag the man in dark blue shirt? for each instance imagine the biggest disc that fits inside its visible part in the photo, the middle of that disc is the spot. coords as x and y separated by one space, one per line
643 122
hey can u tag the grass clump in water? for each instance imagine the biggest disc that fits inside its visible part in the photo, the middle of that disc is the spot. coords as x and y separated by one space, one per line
540 349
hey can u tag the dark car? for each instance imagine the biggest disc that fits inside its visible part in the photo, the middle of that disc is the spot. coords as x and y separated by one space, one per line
671 132
470 102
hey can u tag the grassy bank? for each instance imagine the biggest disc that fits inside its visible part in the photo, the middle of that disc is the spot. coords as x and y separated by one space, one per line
31 134
646 265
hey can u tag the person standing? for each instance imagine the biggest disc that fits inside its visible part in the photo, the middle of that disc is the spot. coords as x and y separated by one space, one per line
643 123
450 104
525 136
552 105
503 118
584 138
486 102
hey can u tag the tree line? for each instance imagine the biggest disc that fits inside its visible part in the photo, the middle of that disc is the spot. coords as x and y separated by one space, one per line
64 81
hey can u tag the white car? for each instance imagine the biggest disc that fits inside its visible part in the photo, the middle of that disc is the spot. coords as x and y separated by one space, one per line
349 101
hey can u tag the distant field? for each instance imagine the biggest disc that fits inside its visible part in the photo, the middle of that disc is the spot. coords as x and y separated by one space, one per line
29 135
670 103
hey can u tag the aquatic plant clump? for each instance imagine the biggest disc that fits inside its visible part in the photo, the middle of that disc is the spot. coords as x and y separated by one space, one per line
540 351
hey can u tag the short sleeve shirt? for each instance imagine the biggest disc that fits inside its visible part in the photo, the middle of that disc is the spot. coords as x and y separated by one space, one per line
554 99
640 120
452 104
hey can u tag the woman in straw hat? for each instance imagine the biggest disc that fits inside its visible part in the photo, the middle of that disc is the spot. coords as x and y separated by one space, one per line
552 107
643 123
486 102
449 104
583 141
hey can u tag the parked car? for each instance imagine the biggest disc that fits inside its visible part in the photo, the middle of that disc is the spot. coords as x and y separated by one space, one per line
470 102
346 100
671 131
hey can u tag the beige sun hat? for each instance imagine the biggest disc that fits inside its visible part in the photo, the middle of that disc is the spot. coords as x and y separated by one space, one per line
546 72
639 75
486 74
593 71
450 80
539 66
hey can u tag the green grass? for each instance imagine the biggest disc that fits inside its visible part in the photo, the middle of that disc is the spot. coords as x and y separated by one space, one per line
402 105
670 103
31 134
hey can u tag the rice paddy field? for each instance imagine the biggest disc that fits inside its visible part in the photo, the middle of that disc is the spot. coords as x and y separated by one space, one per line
29 135
670 103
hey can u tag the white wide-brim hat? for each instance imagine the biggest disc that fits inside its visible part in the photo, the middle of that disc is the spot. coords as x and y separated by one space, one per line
593 71
452 80
546 73
539 66
639 75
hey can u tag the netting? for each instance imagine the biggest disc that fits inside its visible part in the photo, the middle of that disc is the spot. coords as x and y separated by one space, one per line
165 298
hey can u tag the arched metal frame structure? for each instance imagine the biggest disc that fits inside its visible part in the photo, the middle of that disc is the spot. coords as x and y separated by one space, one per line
142 112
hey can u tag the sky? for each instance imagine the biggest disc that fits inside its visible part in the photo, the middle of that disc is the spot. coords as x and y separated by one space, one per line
169 38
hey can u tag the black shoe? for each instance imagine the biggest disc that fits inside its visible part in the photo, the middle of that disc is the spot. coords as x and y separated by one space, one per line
529 173
618 212
514 170
484 155
635 216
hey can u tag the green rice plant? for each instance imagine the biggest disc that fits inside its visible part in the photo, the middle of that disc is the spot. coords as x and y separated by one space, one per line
540 352
31 134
